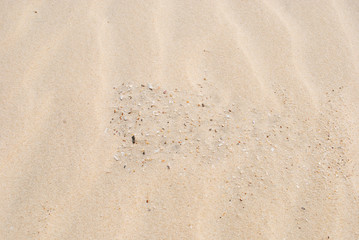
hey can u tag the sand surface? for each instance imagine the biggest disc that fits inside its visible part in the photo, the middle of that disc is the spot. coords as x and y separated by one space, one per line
179 119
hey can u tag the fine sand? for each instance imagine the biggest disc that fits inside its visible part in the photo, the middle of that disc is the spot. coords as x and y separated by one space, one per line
177 119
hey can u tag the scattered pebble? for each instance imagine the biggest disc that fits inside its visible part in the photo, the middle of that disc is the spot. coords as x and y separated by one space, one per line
177 126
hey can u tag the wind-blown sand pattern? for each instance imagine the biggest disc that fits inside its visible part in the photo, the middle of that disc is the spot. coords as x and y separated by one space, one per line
179 119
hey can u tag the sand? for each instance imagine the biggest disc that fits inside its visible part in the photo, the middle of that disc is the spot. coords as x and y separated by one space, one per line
179 119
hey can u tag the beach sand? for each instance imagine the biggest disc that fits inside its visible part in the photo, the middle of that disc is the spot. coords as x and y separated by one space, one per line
179 119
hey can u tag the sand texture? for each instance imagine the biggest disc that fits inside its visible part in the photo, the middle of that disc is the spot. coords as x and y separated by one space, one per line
174 119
